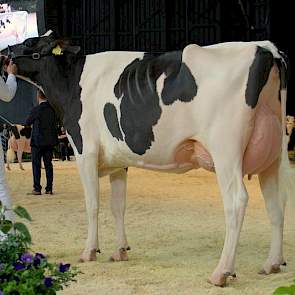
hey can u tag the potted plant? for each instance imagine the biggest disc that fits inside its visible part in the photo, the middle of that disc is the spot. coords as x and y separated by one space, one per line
23 272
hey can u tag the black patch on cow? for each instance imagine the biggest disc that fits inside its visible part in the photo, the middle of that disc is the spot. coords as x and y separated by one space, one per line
59 76
64 93
15 132
26 131
140 103
179 84
111 118
284 70
72 126
258 75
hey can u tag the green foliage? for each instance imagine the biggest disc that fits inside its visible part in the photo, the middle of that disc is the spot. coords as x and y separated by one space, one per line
5 226
18 230
10 247
285 290
24 273
21 228
35 275
22 212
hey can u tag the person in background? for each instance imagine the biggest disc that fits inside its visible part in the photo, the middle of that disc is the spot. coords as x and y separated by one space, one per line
64 145
7 92
4 140
43 140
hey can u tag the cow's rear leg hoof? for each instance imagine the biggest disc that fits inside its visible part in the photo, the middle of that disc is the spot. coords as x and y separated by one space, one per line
120 255
275 268
8 168
89 255
21 167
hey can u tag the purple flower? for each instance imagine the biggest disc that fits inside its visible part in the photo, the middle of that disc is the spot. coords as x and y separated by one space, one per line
48 282
38 258
37 261
64 267
40 255
27 258
18 266
1 293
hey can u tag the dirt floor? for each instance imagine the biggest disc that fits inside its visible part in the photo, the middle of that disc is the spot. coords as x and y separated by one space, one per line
175 227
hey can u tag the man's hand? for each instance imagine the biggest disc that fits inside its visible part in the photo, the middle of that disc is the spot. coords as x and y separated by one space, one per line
11 68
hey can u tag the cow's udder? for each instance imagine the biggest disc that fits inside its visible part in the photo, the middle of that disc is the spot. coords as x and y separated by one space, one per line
263 149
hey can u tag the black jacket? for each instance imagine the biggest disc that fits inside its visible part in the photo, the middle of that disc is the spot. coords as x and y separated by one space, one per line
43 119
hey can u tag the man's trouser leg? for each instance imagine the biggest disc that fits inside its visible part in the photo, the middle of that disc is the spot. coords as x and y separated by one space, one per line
47 159
36 166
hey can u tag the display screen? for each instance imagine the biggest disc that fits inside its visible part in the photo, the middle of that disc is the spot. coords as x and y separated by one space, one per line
18 22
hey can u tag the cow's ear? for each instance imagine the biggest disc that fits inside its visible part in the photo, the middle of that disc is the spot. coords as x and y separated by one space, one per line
65 46
72 49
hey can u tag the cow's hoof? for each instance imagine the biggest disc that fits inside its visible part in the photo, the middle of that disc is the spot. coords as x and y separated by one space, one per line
22 168
219 280
8 168
120 255
269 270
88 255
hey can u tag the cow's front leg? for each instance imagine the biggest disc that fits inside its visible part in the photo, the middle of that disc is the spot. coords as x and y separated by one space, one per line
87 165
118 203
235 200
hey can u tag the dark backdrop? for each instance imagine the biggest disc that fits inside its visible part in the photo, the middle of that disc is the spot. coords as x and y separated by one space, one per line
19 108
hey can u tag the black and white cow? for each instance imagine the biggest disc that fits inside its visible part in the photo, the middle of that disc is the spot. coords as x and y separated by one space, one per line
155 111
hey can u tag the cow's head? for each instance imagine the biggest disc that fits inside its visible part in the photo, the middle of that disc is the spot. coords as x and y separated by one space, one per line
36 54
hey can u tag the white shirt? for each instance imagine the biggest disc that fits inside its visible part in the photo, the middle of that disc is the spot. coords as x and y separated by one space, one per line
8 89
7 92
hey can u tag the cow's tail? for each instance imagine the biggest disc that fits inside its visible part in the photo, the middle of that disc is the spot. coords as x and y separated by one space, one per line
286 172
10 155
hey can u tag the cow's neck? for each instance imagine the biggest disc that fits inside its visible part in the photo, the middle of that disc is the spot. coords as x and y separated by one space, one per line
60 81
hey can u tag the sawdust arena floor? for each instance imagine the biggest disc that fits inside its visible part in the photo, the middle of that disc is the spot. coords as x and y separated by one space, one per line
175 227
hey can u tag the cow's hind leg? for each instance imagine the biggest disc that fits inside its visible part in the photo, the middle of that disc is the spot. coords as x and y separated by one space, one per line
235 198
87 165
19 159
275 205
118 203
10 155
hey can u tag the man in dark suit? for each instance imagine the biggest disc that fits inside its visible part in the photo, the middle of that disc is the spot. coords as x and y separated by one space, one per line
44 138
